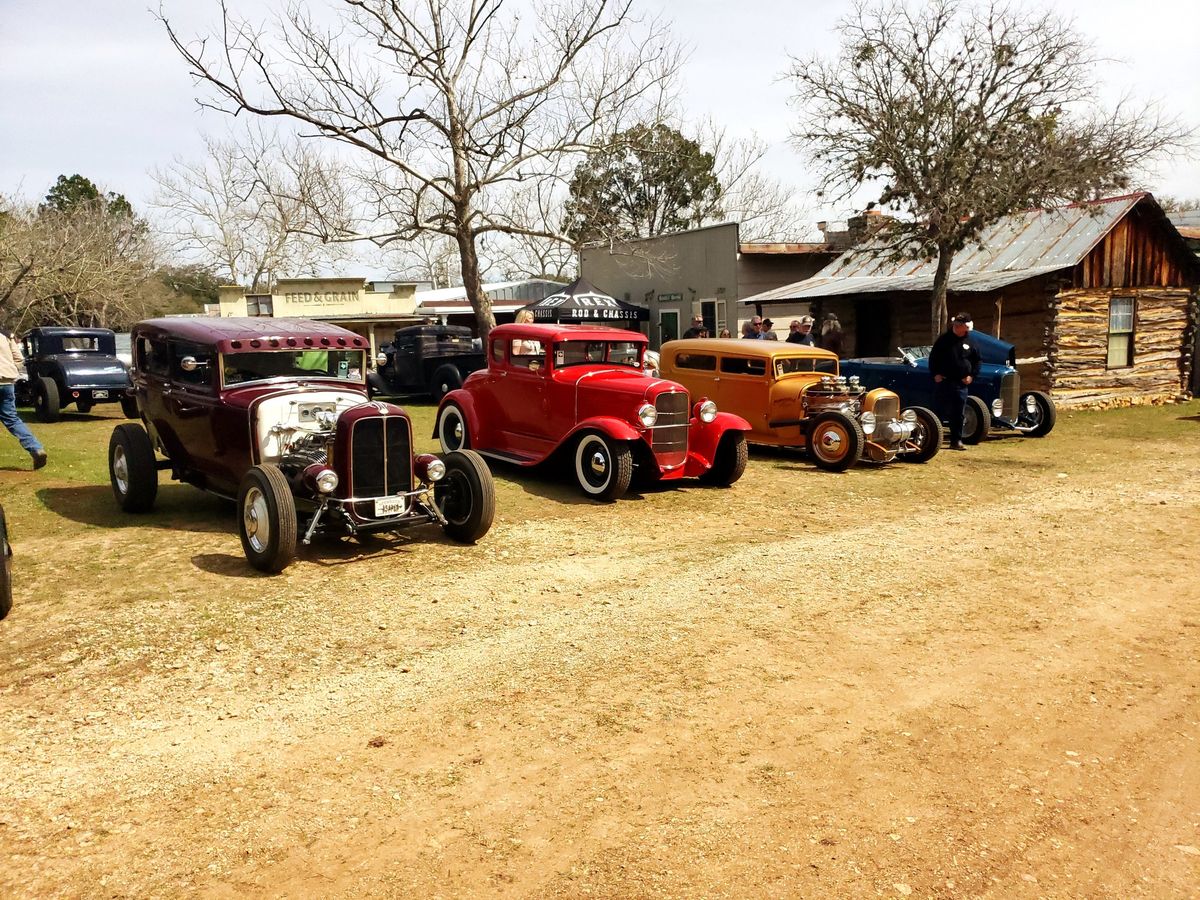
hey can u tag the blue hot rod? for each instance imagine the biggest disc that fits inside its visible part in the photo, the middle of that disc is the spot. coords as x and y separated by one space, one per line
995 399
73 365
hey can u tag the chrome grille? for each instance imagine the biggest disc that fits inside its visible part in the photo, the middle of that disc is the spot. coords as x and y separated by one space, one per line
1010 394
670 434
886 409
380 459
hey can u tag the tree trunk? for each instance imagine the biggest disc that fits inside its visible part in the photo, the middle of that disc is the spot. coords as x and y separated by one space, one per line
941 279
472 282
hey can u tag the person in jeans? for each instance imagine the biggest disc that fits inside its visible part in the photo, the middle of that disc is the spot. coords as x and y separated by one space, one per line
11 366
954 364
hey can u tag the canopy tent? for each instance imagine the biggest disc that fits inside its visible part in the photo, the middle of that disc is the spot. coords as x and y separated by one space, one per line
579 301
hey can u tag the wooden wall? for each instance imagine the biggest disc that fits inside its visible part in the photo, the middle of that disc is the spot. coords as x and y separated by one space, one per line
1162 346
1137 252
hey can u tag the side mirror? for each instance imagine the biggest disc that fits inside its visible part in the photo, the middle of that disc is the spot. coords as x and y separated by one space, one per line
190 364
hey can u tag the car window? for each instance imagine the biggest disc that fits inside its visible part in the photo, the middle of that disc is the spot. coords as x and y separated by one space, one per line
76 344
790 365
153 357
526 353
617 353
498 350
741 365
241 368
705 362
202 375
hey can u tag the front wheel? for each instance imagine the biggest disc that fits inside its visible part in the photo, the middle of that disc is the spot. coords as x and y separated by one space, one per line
729 463
977 421
603 467
447 378
466 496
5 568
47 402
927 436
132 469
452 429
267 519
1043 419
835 441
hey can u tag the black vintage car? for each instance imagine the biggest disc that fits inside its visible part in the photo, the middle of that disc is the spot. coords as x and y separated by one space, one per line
5 568
73 365
432 359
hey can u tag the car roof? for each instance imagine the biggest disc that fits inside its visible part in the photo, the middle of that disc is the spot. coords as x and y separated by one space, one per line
552 332
746 347
226 331
69 331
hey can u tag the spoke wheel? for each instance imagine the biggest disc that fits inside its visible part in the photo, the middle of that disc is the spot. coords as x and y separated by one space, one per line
1043 420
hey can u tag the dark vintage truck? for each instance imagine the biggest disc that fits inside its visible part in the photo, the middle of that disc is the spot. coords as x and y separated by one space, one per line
73 365
426 359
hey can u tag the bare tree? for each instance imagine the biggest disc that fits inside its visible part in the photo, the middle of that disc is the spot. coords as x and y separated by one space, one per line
446 103
763 206
245 208
83 265
965 114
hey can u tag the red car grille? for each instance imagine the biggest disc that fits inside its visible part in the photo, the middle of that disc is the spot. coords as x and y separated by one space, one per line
670 440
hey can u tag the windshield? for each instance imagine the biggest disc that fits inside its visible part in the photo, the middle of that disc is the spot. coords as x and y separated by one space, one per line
344 365
916 352
791 365
617 353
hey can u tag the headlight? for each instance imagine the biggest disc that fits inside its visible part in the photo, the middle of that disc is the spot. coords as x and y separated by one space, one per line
997 406
909 415
435 470
708 411
648 414
1031 405
867 420
327 481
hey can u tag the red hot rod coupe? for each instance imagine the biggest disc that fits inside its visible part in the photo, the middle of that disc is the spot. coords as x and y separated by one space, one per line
583 390
274 413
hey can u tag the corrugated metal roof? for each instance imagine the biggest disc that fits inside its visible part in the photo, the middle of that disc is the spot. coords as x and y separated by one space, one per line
1017 247
783 248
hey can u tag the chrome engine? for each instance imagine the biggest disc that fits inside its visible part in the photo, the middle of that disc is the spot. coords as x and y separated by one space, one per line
835 393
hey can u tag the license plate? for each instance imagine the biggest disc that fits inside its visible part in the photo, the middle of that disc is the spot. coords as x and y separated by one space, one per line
390 506
99 395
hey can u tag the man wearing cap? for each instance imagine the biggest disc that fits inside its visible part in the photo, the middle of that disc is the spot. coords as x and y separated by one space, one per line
800 332
697 327
768 332
954 364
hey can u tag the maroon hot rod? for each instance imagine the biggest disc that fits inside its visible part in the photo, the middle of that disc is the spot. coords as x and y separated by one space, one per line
274 413
583 390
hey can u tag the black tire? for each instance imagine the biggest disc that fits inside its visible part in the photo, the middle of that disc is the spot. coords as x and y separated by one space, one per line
466 496
84 406
977 421
267 520
729 463
376 386
129 407
835 441
5 567
452 431
1043 421
603 467
46 401
445 379
132 468
927 436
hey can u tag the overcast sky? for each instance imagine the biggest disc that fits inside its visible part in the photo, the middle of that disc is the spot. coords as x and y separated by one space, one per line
94 87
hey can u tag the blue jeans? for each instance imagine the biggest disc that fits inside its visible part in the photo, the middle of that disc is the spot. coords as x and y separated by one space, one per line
11 421
952 400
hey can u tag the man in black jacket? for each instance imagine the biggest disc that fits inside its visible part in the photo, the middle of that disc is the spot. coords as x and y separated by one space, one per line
954 364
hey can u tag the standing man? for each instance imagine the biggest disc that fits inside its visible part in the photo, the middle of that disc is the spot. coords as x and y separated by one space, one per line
954 364
752 330
11 363
768 331
697 327
800 332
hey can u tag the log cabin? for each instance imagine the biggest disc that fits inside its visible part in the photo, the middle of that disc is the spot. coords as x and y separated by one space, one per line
1100 299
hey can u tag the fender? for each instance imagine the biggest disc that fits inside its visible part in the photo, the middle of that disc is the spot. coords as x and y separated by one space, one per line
704 437
610 426
465 401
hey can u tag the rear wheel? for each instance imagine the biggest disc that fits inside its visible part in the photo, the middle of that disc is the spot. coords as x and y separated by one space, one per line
452 429
729 464
1042 420
977 421
46 401
927 436
84 406
603 467
267 519
835 441
446 379
129 407
5 568
132 468
466 496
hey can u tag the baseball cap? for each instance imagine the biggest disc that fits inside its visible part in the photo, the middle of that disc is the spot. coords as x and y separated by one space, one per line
962 318
768 322
806 320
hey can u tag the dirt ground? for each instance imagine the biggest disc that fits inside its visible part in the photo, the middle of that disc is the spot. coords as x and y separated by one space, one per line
977 677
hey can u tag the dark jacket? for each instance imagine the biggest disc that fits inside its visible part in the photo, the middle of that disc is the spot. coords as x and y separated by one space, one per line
694 331
797 338
954 357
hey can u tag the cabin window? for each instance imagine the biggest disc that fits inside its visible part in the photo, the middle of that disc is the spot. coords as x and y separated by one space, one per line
498 350
741 365
706 362
1120 332
153 357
